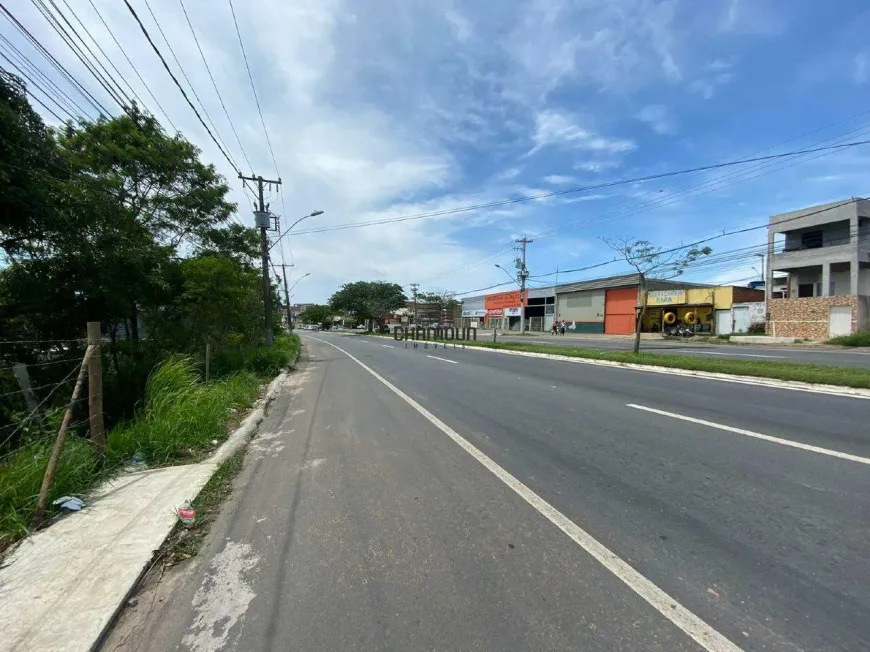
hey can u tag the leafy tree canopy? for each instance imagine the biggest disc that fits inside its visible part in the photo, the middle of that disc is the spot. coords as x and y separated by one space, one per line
365 300
316 314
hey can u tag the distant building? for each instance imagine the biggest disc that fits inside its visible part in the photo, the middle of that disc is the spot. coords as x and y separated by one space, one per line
824 252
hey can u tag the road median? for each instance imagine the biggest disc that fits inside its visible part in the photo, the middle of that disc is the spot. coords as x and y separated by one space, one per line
809 374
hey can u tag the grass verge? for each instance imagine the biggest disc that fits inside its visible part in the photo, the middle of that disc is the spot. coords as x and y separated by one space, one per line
806 373
181 422
858 339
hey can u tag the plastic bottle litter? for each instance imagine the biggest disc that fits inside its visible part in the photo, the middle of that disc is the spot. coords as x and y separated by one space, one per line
69 504
137 462
186 513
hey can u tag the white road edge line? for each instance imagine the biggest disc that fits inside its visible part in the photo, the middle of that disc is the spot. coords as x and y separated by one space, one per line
756 435
435 357
387 346
702 633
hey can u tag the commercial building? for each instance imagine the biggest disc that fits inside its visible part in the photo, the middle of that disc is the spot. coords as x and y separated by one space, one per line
824 252
609 306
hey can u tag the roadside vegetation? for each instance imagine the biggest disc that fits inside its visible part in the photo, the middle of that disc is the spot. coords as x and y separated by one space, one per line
858 339
118 222
806 373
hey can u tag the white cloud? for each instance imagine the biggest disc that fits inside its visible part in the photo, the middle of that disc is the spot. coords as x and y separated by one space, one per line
596 166
754 17
712 75
861 69
659 118
559 179
554 128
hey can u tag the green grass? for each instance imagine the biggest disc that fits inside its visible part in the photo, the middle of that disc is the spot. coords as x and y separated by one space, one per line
807 373
179 423
858 339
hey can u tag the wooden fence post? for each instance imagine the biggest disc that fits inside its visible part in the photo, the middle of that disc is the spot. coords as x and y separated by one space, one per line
59 442
95 389
23 378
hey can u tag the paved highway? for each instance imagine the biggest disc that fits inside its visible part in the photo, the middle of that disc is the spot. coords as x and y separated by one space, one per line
825 355
458 499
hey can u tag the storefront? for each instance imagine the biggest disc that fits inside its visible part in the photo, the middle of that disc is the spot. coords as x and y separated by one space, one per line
692 307
503 310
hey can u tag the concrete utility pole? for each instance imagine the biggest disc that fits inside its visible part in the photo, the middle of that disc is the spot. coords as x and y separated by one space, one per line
414 288
263 221
284 267
523 274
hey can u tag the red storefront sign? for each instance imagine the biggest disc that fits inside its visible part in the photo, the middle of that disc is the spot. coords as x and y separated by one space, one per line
499 312
502 300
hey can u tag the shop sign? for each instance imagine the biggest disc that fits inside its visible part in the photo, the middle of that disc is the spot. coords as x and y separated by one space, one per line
511 312
502 300
474 313
666 297
497 312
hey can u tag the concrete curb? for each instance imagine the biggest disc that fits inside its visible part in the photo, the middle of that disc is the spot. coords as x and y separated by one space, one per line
248 427
834 390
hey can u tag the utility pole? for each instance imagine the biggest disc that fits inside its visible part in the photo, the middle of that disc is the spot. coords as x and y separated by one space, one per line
414 288
284 267
523 274
263 221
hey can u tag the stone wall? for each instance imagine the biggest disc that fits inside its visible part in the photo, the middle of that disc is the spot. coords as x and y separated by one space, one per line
807 317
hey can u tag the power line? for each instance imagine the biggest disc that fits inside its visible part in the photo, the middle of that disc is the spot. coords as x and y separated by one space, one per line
186 78
609 184
135 70
214 84
175 80
105 56
253 88
54 62
34 69
61 31
70 115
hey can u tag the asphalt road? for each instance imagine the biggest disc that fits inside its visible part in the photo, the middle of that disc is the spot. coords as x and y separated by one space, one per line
414 517
825 355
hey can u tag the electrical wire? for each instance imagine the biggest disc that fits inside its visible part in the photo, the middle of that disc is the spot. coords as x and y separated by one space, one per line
68 102
133 67
253 88
65 36
214 84
609 184
178 85
70 116
187 79
52 60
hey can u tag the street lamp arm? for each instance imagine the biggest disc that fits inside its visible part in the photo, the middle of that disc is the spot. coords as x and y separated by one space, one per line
287 230
299 279
509 275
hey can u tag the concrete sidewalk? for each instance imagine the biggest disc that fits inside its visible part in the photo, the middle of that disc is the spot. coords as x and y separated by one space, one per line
61 588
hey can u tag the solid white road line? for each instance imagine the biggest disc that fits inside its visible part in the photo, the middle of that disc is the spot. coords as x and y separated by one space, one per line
435 357
702 633
387 346
743 355
756 435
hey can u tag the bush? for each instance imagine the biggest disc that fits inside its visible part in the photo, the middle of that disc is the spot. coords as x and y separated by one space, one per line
858 339
180 420
259 360
182 416
758 328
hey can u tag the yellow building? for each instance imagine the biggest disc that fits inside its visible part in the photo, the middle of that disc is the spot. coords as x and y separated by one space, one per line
700 305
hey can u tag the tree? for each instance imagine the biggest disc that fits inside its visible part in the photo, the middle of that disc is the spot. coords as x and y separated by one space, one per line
652 263
316 314
368 300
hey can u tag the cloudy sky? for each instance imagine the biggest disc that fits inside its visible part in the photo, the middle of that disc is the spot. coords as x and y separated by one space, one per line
387 108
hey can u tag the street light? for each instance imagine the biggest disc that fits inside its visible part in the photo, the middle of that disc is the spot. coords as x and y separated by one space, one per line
513 278
286 231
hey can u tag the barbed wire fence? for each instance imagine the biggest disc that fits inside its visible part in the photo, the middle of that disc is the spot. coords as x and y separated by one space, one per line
37 454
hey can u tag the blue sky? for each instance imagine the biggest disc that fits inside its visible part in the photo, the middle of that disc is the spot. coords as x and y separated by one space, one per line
380 108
